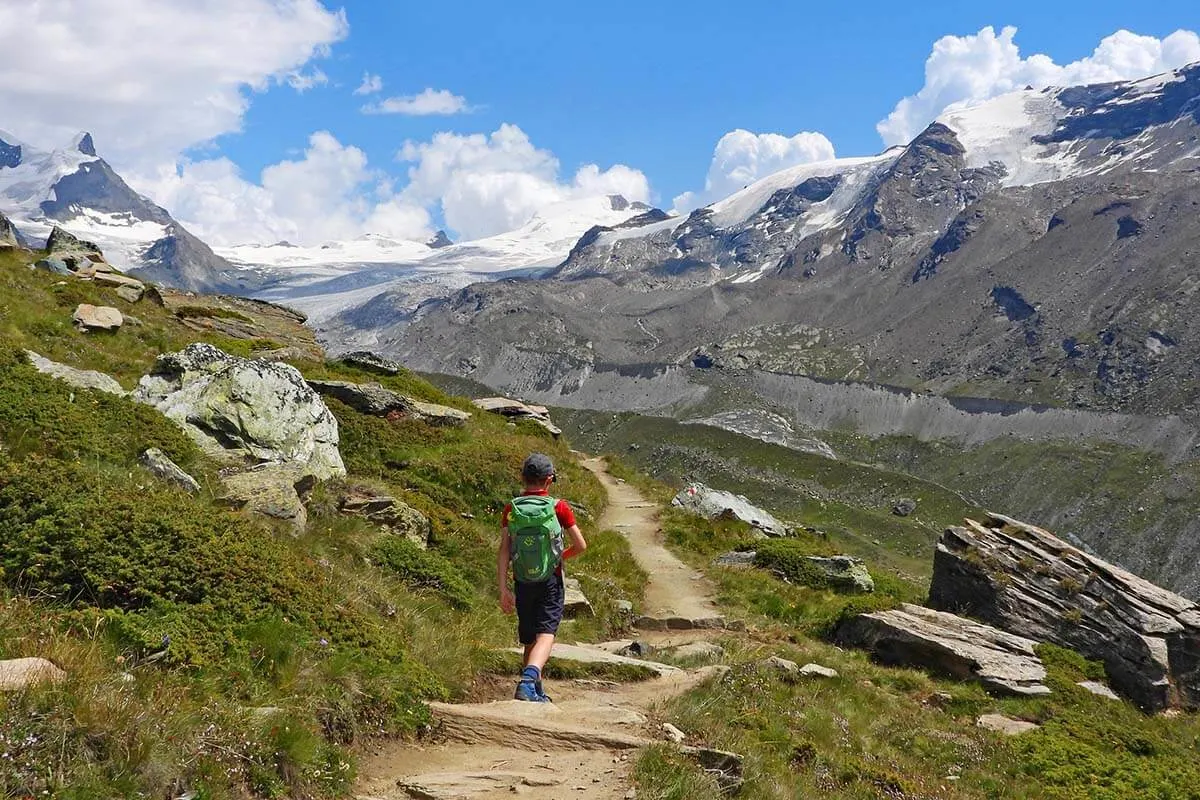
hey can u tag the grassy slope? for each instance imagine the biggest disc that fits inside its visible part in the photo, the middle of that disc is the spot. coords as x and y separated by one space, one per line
208 651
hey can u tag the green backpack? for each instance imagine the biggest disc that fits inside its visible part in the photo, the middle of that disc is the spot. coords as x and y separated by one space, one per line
536 538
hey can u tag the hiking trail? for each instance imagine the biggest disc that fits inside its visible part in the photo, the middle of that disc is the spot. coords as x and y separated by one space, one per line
585 743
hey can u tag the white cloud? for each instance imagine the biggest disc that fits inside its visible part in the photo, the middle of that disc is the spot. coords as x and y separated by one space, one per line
371 84
741 158
303 81
150 78
330 193
427 103
965 69
487 184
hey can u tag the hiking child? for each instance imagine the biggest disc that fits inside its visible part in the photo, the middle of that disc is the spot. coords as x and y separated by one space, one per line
531 543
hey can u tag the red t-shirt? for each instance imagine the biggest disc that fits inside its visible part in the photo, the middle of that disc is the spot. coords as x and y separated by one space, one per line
562 510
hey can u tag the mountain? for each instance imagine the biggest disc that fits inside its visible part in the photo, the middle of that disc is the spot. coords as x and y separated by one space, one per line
76 189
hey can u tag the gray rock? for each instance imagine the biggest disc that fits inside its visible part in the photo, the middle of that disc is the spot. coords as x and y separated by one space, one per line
395 516
1005 725
515 409
623 606
79 378
846 573
817 671
119 280
17 674
371 362
782 665
673 734
97 318
55 266
71 248
715 504
1098 689
951 645
367 398
276 491
435 414
904 507
251 409
1023 579
575 604
130 294
156 461
699 650
736 559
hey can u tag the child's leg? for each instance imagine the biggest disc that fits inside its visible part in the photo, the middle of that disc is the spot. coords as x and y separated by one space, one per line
538 653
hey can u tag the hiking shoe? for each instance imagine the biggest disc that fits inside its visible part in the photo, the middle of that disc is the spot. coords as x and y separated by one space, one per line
545 698
528 691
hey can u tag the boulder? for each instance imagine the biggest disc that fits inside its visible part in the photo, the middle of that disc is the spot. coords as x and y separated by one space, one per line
8 235
250 409
55 266
699 650
1005 725
156 461
130 294
276 491
79 378
371 362
913 636
71 249
715 504
673 734
119 280
736 559
515 409
367 398
435 414
575 604
394 516
782 665
1023 579
817 671
97 318
17 674
846 573
904 507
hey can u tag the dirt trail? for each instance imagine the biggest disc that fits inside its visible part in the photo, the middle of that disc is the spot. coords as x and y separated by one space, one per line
583 744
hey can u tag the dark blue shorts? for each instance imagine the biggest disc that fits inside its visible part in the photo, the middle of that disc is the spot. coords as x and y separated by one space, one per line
539 608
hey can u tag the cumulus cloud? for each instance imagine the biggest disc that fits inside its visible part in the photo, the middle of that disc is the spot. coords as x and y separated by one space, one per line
303 81
152 78
967 69
741 158
371 84
329 193
487 184
428 103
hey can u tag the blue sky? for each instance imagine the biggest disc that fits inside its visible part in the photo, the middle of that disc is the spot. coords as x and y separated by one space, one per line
655 85
241 116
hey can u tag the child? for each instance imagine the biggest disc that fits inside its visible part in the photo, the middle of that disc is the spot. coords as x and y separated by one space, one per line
534 549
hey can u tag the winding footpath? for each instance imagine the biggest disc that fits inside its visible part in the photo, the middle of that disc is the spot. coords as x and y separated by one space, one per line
584 744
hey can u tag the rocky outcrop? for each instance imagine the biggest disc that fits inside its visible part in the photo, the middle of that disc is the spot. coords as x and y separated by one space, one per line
846 573
258 411
276 491
394 516
259 322
378 401
157 462
950 645
79 378
575 602
71 248
371 362
515 409
8 235
1022 578
88 317
715 504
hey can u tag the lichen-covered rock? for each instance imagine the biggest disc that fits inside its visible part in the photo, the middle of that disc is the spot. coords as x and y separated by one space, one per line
258 410
1024 579
393 515
845 572
913 636
157 462
79 378
716 504
88 317
276 491
371 362
575 603
367 398
71 248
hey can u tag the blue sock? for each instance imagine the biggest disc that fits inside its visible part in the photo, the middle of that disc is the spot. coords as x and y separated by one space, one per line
531 673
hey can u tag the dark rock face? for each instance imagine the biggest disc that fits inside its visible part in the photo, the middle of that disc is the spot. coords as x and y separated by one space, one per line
181 260
374 363
86 145
10 154
96 186
368 398
1023 579
8 234
69 246
439 240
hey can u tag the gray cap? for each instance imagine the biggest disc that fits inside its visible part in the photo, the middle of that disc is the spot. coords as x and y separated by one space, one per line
537 467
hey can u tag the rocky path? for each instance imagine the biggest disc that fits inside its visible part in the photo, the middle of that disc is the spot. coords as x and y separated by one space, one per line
582 745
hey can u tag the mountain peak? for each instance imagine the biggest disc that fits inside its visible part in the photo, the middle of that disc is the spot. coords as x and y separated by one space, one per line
84 144
439 240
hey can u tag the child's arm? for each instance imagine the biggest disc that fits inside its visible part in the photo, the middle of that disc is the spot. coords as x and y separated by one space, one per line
508 602
578 543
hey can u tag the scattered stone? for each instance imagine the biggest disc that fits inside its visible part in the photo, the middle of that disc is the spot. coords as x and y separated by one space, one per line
249 409
904 507
674 734
24 673
118 280
130 294
715 504
55 266
157 462
782 665
949 644
623 606
1099 689
79 378
817 671
88 317
276 491
1005 725
575 604
736 559
515 409
371 362
367 398
846 573
699 650
394 516
1025 580
435 414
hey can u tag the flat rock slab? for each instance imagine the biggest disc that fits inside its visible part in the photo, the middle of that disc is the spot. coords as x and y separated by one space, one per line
1098 689
529 726
920 637
79 378
466 785
649 623
575 603
590 655
1006 725
97 318
710 503
24 673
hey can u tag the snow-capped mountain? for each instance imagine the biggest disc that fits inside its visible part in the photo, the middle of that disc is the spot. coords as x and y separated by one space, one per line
74 188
